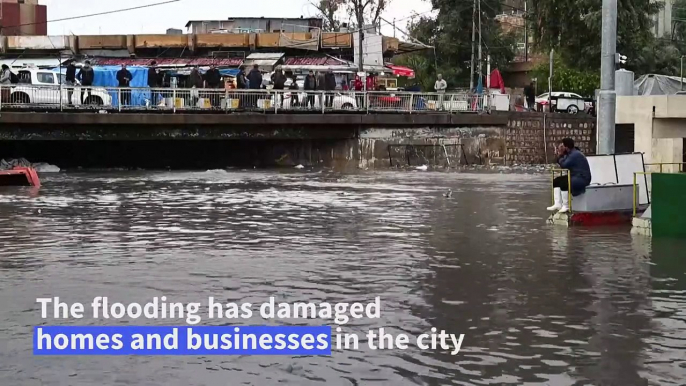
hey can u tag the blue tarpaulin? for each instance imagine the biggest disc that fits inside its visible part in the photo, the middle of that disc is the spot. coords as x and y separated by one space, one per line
106 76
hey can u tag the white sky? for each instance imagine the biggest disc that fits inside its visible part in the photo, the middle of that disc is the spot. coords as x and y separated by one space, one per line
175 15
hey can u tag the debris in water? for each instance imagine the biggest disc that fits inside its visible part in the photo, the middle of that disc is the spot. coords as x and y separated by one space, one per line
300 167
422 168
449 194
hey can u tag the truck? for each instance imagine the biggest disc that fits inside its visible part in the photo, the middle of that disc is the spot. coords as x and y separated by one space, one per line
45 87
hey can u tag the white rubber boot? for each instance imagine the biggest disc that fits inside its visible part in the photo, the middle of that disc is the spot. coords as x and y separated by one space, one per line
565 202
557 193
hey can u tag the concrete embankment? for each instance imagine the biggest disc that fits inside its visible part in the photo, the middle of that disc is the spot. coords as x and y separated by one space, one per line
264 140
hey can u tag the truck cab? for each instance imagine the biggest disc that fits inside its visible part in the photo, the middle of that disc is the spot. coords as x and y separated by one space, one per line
46 87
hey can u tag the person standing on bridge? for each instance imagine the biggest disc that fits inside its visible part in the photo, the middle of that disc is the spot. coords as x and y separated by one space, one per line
570 158
440 87
310 87
124 77
213 79
86 76
254 83
70 81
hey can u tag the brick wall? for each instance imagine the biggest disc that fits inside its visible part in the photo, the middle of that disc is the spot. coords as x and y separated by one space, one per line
529 142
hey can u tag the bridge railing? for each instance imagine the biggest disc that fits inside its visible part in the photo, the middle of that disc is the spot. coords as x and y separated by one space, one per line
66 98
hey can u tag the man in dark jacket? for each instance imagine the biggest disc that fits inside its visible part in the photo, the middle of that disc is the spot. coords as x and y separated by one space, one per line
329 86
242 84
124 77
255 78
213 79
310 87
70 81
86 76
254 83
279 81
195 82
570 158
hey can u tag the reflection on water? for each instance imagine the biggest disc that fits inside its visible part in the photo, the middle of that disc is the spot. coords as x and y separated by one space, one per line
539 305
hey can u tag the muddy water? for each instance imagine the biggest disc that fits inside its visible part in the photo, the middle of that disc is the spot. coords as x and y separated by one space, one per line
539 305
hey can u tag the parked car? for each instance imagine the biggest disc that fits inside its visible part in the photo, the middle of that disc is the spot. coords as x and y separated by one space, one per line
43 87
572 102
340 101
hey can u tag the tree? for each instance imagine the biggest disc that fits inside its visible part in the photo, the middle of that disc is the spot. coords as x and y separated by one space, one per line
450 32
573 28
328 10
566 79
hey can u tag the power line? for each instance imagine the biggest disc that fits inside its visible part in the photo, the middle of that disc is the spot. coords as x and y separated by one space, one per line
94 14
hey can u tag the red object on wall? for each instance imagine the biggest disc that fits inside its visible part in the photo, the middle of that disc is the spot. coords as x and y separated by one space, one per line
11 23
41 20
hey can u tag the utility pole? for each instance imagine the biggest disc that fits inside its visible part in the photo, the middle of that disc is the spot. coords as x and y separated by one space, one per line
359 13
481 61
471 66
526 33
607 100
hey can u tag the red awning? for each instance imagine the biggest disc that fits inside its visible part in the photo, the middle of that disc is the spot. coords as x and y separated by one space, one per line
169 62
401 71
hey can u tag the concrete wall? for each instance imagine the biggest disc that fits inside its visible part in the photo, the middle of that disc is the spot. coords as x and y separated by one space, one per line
654 117
531 138
365 140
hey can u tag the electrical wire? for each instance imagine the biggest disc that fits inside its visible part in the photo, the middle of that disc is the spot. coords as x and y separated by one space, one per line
93 14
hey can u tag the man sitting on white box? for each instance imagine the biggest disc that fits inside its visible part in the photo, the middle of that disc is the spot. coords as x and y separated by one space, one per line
570 158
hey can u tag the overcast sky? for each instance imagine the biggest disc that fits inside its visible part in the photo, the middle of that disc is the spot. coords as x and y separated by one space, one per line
175 15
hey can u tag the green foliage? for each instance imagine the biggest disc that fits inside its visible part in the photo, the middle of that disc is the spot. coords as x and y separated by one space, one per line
567 79
573 29
423 70
450 32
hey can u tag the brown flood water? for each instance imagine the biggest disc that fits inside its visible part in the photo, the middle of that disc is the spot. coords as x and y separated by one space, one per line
539 305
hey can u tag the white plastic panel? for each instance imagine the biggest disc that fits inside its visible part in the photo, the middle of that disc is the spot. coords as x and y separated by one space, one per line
604 199
602 169
627 165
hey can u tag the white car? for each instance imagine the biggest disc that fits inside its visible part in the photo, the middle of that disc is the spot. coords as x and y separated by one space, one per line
43 87
573 103
340 101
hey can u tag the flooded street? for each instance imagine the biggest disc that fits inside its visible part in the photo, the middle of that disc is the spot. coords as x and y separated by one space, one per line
540 305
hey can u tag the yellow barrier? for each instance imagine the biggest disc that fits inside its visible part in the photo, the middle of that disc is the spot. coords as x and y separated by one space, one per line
569 185
660 164
635 205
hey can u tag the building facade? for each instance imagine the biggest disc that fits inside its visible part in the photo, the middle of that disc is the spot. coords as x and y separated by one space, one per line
253 25
23 17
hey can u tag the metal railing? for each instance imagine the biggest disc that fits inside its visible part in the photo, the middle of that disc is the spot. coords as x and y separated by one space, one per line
635 203
553 172
681 165
63 98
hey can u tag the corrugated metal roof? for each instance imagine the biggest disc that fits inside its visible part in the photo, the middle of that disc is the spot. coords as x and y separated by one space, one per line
169 62
265 55
315 61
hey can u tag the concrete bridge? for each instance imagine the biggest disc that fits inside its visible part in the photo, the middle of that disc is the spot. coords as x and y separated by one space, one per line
342 140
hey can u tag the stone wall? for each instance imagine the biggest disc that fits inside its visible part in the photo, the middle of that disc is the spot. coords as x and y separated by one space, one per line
531 138
443 147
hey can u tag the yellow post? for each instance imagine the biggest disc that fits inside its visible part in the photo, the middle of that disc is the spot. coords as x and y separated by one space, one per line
634 202
569 190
